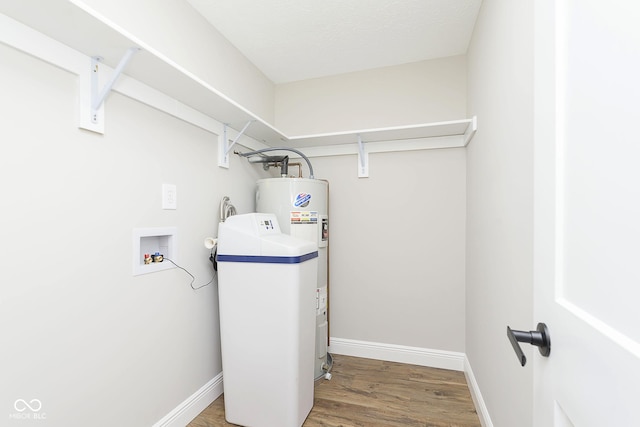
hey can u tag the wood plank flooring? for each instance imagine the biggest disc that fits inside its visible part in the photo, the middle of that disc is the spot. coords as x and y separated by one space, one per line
374 393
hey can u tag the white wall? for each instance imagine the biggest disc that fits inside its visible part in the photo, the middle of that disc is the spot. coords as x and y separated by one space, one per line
397 237
500 206
96 345
397 248
420 92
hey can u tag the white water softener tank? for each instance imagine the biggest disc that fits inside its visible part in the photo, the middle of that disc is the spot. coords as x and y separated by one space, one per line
266 288
301 206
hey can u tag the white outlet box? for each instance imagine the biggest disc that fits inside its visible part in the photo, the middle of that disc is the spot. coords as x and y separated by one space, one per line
169 196
163 240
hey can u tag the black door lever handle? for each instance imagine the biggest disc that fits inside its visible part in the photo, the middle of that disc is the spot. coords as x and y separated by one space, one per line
539 338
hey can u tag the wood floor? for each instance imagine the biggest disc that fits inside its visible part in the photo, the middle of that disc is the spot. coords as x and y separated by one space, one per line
373 393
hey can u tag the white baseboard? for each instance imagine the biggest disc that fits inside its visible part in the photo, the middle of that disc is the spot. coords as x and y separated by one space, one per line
398 353
184 413
478 401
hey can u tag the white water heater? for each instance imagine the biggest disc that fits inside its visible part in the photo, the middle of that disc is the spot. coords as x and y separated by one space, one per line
301 206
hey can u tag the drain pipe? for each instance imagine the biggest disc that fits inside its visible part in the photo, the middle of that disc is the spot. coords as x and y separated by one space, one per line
293 150
269 161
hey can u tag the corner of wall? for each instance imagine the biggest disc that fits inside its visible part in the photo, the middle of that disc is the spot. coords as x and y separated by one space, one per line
476 395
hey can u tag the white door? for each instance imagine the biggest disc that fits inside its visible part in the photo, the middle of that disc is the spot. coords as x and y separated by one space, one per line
587 212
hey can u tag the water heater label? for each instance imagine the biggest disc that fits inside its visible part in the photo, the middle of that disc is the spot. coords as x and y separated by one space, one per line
302 200
304 217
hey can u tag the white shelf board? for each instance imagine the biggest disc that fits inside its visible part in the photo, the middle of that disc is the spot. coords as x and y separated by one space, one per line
94 35
91 35
425 130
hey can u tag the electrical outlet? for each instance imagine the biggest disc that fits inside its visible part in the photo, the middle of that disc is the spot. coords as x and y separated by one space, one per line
169 196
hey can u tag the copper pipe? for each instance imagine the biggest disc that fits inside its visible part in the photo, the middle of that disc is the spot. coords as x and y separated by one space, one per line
299 165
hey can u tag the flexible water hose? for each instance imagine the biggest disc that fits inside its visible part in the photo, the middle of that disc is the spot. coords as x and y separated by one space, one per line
226 209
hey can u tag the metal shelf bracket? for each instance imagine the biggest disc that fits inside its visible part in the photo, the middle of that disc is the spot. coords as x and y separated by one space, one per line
98 96
224 147
363 159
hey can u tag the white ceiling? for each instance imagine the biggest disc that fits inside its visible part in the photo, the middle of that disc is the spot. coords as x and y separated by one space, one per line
292 40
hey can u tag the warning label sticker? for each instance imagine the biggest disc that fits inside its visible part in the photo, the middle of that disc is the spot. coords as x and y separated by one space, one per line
304 217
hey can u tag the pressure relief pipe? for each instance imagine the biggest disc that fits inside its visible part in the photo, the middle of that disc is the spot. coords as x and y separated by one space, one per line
293 150
268 161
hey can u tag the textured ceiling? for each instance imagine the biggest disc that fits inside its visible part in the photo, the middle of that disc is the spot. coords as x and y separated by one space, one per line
292 40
